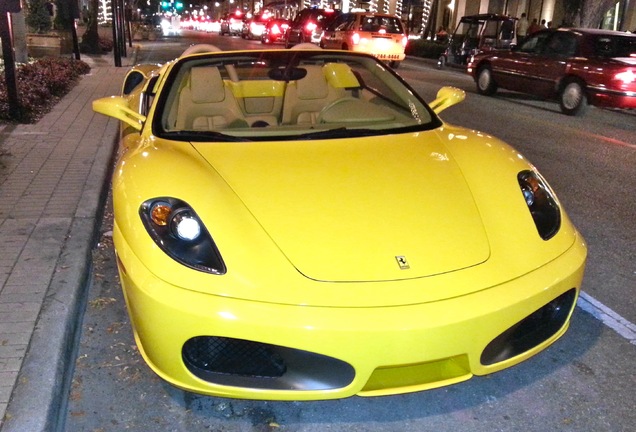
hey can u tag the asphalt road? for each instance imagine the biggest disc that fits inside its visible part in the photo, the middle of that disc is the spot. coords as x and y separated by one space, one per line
584 382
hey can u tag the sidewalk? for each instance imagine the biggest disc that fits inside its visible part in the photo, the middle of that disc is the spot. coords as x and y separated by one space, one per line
53 178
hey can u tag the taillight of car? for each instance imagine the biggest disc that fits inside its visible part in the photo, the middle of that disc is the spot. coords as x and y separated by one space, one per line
405 40
355 38
311 26
627 76
275 29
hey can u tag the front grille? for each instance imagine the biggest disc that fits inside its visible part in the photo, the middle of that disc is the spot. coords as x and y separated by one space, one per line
243 363
533 330
233 356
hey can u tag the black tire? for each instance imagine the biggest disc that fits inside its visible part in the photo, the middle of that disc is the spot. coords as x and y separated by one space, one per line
486 84
394 64
572 98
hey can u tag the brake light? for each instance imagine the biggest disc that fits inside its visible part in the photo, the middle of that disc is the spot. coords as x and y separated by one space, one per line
405 40
311 26
355 38
627 76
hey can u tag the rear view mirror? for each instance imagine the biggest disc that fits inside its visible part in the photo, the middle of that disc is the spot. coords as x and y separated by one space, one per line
446 98
287 74
117 107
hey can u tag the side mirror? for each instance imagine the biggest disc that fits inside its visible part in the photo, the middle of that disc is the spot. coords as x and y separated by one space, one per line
446 98
117 107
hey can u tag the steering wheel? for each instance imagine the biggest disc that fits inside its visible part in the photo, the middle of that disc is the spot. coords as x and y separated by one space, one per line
333 104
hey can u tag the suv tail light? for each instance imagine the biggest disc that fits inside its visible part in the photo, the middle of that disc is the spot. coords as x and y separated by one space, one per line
627 76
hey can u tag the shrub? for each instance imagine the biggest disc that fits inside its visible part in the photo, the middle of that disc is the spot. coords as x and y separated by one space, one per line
39 85
424 48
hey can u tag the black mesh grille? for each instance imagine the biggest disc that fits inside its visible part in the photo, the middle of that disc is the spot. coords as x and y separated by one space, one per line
531 331
233 356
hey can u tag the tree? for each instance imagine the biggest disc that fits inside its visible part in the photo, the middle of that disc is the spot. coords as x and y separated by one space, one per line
64 19
38 17
90 39
585 13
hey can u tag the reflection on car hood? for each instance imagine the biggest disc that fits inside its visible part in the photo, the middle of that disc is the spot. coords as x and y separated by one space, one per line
347 210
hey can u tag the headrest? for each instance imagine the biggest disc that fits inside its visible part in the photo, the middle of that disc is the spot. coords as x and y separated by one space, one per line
206 85
314 85
340 75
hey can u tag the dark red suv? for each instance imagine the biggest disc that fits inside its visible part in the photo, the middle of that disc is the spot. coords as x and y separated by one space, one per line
578 67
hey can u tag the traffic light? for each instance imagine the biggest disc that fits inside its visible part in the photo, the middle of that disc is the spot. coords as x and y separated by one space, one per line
165 4
178 5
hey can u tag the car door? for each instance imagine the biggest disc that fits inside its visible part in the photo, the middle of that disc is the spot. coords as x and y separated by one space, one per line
516 69
552 62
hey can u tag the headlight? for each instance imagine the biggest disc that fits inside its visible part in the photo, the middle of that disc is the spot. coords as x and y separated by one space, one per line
178 231
541 203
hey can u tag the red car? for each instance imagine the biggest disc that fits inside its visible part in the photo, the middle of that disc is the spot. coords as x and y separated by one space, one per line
579 67
275 30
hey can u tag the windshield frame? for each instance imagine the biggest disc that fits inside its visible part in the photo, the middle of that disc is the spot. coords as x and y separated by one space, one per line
428 120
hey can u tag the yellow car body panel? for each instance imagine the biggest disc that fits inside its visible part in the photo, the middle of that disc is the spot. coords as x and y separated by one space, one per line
448 335
369 265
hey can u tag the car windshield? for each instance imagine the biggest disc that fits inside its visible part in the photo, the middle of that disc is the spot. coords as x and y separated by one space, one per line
285 95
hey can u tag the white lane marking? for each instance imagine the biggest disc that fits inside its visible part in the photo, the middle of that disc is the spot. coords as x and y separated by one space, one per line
608 317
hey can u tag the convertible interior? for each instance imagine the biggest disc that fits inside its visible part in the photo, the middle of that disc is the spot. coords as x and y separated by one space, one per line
286 94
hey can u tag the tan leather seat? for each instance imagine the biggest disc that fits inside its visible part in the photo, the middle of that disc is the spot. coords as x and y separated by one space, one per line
206 104
305 98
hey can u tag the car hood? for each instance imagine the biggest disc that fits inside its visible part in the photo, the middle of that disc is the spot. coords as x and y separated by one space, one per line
353 210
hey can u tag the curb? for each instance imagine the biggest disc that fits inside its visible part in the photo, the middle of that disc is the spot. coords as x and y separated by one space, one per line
39 399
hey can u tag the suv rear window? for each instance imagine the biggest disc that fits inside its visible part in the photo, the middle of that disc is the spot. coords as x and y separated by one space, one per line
616 46
373 23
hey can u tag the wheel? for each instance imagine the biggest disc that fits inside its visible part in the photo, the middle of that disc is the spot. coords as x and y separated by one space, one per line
394 64
486 85
572 98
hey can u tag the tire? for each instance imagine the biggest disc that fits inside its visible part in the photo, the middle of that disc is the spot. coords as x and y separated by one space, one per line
572 98
486 85
394 64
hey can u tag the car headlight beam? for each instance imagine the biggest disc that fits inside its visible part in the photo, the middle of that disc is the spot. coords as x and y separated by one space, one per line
178 231
541 202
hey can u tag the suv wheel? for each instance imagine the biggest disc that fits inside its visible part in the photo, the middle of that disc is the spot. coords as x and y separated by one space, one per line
485 83
572 98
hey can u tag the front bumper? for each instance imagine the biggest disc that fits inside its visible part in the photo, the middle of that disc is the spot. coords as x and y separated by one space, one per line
329 353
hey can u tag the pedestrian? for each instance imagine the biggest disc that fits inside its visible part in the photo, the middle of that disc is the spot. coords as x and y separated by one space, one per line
534 26
543 24
441 35
522 29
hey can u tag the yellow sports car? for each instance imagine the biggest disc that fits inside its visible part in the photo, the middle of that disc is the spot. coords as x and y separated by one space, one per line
299 224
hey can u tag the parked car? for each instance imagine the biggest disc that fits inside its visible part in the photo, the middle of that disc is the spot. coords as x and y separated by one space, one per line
478 33
232 23
323 233
308 25
253 27
380 35
275 30
579 67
